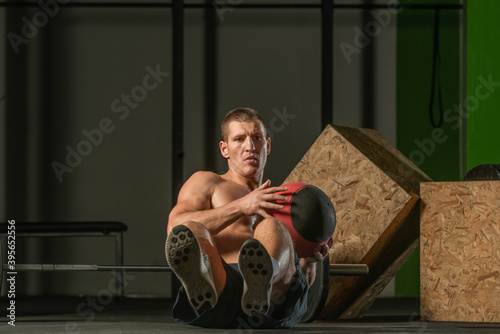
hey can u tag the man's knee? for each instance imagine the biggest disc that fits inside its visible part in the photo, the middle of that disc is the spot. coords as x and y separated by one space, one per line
271 225
199 230
273 231
194 226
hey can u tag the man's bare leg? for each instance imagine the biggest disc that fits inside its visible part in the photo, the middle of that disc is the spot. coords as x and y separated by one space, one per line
267 266
278 242
184 250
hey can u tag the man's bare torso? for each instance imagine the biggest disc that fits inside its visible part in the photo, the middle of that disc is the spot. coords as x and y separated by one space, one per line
230 239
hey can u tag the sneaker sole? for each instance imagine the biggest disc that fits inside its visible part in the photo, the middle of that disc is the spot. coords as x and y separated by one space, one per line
184 257
256 267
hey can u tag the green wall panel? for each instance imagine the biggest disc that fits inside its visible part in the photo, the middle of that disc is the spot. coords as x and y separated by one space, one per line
483 82
435 151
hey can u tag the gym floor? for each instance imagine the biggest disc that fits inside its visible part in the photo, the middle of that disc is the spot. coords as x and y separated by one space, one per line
138 315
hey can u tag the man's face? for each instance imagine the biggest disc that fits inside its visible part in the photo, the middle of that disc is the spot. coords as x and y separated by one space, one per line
246 148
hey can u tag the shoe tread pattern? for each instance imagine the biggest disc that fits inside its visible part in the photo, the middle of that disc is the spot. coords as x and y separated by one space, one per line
184 257
256 267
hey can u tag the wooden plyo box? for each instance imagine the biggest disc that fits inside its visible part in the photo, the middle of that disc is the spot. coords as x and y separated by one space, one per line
374 190
460 251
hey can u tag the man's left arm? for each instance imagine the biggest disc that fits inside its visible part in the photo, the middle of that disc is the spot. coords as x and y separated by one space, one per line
308 264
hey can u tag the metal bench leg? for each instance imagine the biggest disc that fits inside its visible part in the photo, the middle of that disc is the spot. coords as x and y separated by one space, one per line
119 261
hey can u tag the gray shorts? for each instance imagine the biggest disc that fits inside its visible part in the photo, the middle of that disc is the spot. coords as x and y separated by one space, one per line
227 313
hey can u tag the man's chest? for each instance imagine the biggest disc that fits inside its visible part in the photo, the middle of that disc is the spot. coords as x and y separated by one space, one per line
226 193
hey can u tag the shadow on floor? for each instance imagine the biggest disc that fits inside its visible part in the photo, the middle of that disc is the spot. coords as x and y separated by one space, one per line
58 314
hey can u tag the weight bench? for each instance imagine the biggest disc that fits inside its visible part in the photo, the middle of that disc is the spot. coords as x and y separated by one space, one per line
73 229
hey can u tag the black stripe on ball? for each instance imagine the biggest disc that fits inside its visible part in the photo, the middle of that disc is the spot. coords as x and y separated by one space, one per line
312 213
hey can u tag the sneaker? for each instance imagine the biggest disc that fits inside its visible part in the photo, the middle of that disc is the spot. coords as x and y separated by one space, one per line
259 271
192 267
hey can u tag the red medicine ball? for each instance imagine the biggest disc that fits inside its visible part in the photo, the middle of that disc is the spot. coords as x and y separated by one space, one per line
308 215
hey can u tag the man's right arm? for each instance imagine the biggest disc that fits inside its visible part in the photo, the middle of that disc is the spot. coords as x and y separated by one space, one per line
193 204
195 196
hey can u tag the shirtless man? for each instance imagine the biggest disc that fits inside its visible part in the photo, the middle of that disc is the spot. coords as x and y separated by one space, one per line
237 263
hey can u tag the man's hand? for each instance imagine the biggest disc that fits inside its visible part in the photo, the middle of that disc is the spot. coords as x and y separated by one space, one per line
262 198
308 264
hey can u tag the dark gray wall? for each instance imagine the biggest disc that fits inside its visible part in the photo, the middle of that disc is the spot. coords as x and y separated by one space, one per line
85 59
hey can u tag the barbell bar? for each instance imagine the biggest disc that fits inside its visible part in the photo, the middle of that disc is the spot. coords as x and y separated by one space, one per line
335 269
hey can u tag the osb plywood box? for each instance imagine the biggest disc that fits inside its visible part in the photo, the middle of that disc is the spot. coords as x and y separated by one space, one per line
460 251
374 190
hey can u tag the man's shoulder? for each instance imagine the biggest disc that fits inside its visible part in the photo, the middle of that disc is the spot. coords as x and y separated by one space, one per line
200 183
206 176
205 179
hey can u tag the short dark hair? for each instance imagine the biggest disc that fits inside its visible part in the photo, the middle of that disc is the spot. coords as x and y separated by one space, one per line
239 115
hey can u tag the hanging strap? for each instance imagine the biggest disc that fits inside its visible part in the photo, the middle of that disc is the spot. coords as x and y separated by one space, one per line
436 76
